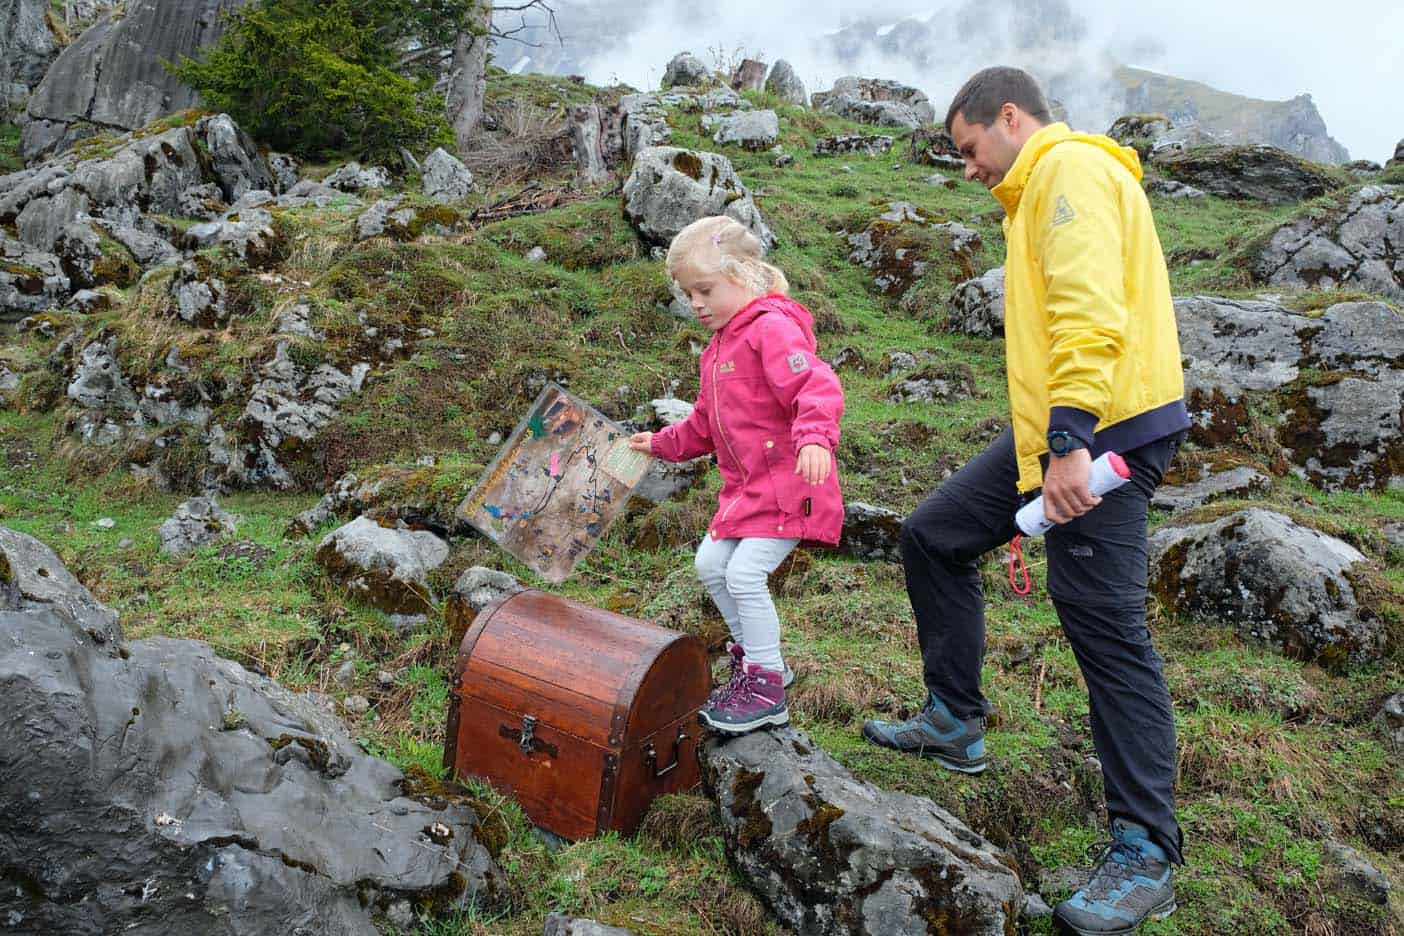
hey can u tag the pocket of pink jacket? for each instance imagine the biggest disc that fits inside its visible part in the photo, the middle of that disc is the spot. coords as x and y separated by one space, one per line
789 487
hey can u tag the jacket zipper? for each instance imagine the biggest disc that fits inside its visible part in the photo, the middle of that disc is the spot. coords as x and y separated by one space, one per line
716 408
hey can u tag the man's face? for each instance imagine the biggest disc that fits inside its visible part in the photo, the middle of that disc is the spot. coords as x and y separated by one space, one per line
989 152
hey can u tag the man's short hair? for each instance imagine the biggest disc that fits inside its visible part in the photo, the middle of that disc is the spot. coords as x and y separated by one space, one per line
980 99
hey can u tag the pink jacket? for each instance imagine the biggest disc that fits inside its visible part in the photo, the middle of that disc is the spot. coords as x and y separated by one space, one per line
764 395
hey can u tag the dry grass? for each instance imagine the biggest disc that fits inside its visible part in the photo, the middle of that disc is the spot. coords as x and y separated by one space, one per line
530 142
680 820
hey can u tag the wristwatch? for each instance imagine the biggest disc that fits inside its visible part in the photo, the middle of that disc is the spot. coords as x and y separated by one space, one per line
1061 442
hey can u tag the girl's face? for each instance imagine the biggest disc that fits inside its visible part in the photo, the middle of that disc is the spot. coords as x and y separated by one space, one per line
714 297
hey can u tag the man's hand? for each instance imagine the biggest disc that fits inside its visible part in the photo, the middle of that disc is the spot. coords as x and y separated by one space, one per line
641 442
813 463
1065 493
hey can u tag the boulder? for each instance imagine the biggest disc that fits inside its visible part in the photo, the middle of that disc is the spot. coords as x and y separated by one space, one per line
98 383
114 74
1272 580
148 250
1262 173
643 123
91 259
870 532
285 171
446 179
28 44
558 924
877 101
1169 188
1390 722
30 280
1355 246
748 76
932 146
977 306
1350 872
597 140
179 787
249 235
853 144
198 522
752 130
347 495
685 70
476 589
198 295
786 84
1242 481
1398 158
670 188
352 177
287 408
43 219
237 165
902 244
1139 131
386 568
34 582
714 100
834 855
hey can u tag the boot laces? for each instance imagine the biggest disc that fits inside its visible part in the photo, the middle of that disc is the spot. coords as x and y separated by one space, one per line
1118 864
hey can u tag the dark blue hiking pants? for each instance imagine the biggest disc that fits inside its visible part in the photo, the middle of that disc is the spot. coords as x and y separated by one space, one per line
1097 580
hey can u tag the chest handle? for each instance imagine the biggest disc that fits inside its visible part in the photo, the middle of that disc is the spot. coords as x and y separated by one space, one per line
651 755
526 737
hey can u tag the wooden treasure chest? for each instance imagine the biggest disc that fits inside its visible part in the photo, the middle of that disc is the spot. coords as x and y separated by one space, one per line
582 715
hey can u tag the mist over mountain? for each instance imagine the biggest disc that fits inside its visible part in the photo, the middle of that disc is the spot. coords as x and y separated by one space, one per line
1261 57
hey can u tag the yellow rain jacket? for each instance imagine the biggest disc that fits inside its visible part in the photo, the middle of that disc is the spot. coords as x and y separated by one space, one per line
1089 326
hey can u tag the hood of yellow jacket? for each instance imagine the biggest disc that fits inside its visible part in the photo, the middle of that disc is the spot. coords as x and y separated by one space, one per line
1011 189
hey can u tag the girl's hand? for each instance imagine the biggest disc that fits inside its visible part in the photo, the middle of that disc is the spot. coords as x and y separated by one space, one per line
813 463
641 442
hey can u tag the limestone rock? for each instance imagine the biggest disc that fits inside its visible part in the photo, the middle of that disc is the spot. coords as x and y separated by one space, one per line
446 179
1242 481
355 179
670 188
236 162
97 381
833 855
877 101
558 924
1171 189
871 532
685 69
386 568
198 295
198 522
786 84
480 586
902 243
30 280
1354 247
34 581
1272 580
977 306
860 144
752 130
1263 173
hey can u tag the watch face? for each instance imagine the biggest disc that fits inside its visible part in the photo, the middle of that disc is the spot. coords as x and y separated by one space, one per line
1058 443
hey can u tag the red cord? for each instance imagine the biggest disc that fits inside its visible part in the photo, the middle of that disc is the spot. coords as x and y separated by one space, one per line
1016 555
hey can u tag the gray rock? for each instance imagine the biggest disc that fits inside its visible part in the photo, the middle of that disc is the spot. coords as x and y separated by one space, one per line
718 99
847 145
88 301
536 255
148 250
1352 873
198 295
196 523
666 480
34 581
670 188
1140 131
191 778
900 244
30 280
1242 481
90 261
786 84
204 201
1390 722
831 854
480 586
114 74
236 162
643 123
297 320
877 101
446 179
162 406
1036 908
407 625
347 495
748 76
752 130
558 924
1262 173
669 411
249 235
98 383
1272 580
27 45
1398 158
684 70
285 171
1347 434
400 914
376 218
977 306
870 532
1354 246
386 568
1169 188
353 178
9 381
317 194
44 218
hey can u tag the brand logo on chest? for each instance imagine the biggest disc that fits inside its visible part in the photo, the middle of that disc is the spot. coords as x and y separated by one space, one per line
726 367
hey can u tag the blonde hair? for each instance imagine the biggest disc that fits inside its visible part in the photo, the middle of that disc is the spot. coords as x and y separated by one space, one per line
722 245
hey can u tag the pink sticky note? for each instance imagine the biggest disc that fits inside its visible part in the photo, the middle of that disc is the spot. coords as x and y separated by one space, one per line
555 464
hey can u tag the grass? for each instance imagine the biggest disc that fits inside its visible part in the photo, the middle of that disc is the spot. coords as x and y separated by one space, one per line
1277 758
10 159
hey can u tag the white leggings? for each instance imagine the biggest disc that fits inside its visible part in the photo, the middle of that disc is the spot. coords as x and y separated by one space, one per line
735 573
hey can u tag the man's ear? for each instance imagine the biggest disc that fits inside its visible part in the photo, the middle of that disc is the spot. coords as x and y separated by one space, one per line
1009 113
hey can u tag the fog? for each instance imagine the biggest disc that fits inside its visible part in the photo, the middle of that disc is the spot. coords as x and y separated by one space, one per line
1348 55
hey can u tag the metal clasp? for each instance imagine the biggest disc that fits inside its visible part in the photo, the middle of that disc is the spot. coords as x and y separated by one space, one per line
528 740
651 755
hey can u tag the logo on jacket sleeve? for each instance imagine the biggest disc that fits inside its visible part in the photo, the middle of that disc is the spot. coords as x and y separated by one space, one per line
1062 212
798 362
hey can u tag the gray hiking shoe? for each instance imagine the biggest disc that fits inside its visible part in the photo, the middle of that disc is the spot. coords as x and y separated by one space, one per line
935 733
1133 883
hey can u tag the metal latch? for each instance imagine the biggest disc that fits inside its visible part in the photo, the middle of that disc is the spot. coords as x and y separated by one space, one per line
528 732
526 737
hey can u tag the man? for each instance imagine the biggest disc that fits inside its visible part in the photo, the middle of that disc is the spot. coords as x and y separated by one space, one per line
1093 363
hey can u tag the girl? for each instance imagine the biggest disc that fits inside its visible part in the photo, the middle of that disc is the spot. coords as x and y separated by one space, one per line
769 409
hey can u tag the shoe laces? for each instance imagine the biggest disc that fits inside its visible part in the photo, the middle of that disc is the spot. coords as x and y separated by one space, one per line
740 681
1119 863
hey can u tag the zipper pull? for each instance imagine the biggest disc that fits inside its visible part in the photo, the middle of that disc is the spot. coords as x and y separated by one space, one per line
808 505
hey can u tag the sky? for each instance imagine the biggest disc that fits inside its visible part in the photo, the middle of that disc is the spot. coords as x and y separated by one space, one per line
1349 54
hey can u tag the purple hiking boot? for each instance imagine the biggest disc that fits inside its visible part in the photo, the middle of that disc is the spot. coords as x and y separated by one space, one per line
755 699
737 655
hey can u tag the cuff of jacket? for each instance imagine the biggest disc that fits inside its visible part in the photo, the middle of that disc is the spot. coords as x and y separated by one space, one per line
813 438
1080 424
